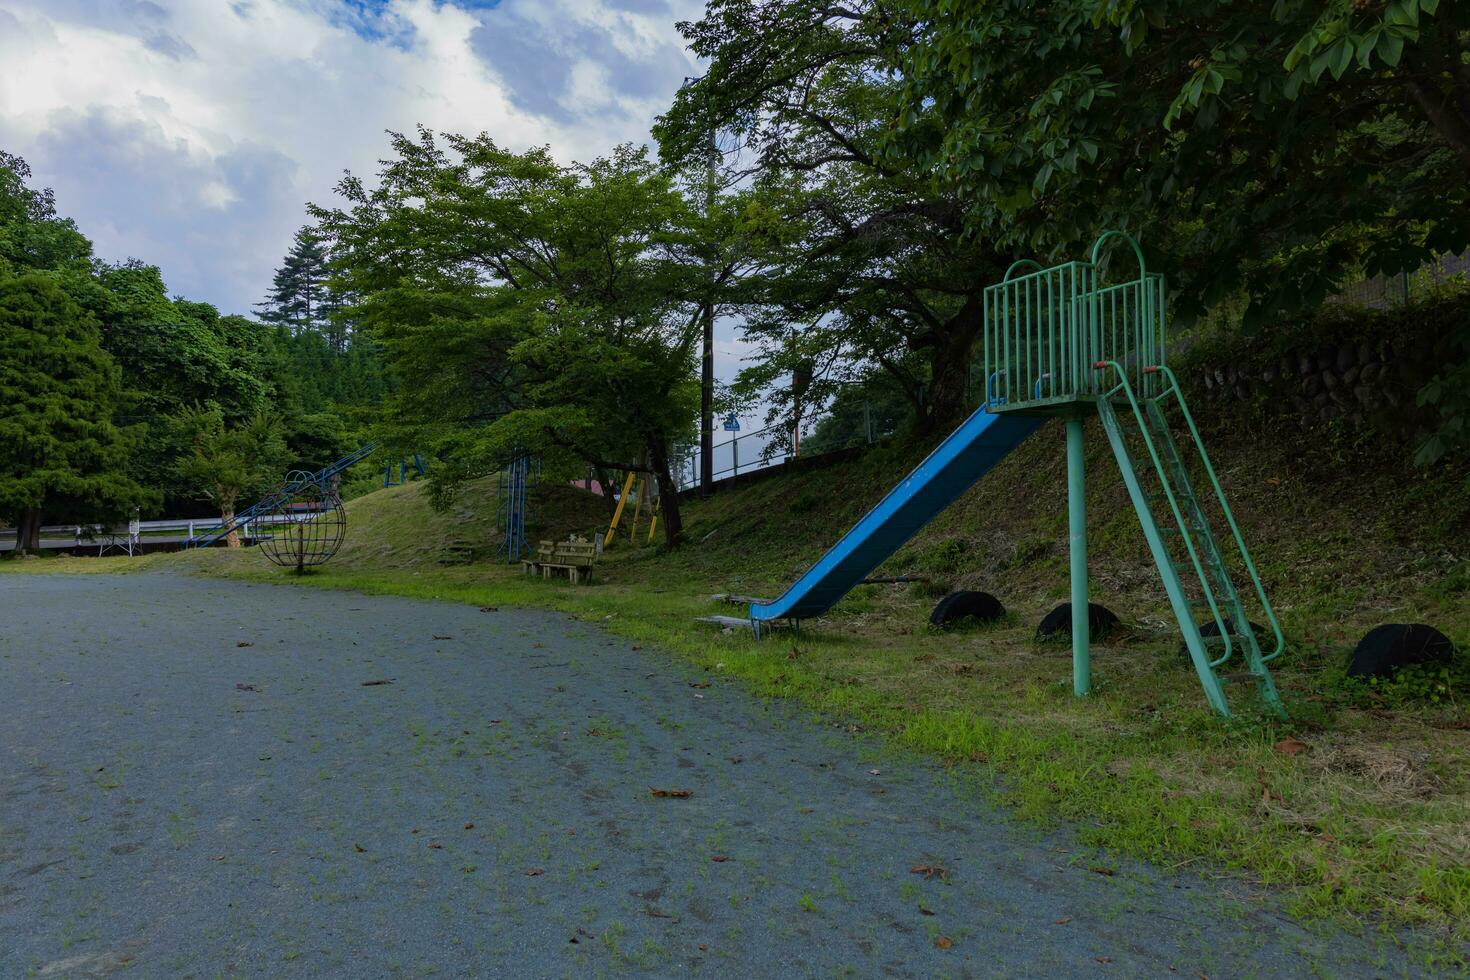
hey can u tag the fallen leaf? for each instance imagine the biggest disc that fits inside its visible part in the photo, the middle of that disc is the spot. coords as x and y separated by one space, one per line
436 845
246 687
242 643
1104 870
533 872
678 794
377 683
735 760
924 911
699 684
1291 746
719 859
923 658
489 609
636 647
1064 920
943 942
469 826
438 637
930 871
359 848
703 947
1103 959
1326 838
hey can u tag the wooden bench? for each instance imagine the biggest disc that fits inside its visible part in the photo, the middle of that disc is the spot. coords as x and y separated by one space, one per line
575 557
544 552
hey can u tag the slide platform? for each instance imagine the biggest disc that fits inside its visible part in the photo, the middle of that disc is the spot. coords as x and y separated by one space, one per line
952 468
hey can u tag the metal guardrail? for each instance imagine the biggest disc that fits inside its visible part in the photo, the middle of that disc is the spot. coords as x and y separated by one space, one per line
86 534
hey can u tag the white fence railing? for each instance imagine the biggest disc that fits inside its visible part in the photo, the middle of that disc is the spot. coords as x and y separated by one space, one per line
90 534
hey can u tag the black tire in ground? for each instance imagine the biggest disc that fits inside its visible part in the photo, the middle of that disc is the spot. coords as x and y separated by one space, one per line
1213 629
1393 645
979 606
1057 624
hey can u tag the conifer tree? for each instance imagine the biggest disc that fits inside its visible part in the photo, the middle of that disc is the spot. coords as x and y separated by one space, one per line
65 460
299 298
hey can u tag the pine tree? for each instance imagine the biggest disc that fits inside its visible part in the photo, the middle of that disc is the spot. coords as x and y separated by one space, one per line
299 297
64 457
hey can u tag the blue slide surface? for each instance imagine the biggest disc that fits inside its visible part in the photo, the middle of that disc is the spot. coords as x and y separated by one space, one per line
951 469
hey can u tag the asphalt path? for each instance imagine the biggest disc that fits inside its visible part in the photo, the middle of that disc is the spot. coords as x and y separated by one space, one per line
202 778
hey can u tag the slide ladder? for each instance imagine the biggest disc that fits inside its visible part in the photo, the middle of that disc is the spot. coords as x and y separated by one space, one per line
267 503
1191 562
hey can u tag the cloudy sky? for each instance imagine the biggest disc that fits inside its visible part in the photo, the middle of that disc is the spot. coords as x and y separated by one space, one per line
190 133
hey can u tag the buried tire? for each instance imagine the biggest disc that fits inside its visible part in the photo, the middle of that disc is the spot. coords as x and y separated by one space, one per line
957 606
1393 645
1057 624
1212 628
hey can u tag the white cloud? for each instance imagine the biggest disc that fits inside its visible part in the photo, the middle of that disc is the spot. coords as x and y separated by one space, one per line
190 133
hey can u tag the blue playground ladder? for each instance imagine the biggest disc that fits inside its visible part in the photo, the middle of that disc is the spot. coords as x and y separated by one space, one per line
516 480
271 500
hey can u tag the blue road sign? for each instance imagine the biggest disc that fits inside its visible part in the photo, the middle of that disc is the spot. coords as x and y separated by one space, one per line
732 424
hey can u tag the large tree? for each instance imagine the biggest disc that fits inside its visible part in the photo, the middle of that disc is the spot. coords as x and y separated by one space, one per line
913 148
32 235
1273 150
863 261
65 460
301 297
225 461
527 306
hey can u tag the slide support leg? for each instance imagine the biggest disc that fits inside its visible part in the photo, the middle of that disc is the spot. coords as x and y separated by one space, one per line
1077 528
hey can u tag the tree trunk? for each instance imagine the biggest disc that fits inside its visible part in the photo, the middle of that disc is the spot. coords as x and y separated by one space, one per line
949 370
28 532
227 517
608 501
668 491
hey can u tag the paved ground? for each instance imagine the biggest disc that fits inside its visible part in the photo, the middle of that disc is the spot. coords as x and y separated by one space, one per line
196 779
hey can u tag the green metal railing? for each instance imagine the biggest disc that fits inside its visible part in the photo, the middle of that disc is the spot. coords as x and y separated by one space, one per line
1044 329
1205 559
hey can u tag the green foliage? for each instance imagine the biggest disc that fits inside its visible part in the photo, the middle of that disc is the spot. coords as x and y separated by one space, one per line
64 457
526 306
1412 685
861 259
301 296
32 235
874 406
223 460
1272 148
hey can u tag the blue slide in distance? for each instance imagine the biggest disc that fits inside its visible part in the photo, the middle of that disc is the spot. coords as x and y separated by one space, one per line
951 469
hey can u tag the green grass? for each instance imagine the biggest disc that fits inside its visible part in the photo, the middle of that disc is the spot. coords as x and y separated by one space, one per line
1367 826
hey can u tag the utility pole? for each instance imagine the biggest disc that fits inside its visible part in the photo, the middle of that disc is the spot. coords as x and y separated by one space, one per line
707 376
